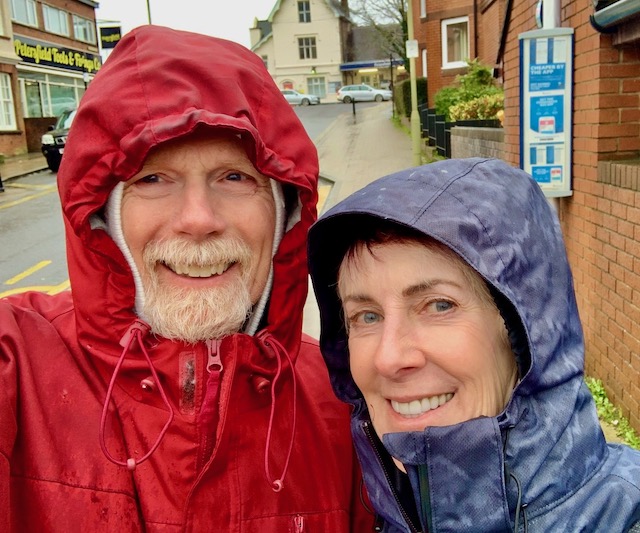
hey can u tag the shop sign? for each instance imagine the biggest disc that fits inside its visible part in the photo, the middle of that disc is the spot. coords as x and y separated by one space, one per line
110 36
46 54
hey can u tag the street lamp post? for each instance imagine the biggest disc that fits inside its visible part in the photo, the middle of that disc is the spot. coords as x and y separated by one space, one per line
415 117
149 11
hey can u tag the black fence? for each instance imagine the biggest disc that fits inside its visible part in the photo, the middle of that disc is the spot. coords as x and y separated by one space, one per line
438 131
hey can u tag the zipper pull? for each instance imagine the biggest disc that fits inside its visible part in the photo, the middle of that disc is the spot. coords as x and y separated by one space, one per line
298 524
214 363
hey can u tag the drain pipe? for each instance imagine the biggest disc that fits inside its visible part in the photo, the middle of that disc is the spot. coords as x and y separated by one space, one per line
551 19
604 20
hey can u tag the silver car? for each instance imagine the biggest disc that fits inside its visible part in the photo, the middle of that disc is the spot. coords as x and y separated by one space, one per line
362 93
296 98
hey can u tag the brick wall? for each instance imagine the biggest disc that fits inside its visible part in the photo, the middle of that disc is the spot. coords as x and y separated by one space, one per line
601 221
476 142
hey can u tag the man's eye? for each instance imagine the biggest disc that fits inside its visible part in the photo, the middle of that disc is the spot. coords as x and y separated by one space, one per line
235 176
151 178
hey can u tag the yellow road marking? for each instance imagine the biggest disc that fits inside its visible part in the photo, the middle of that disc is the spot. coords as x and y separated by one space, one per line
49 289
27 272
44 192
26 186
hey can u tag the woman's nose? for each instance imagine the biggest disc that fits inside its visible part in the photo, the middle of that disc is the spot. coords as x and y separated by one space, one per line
398 350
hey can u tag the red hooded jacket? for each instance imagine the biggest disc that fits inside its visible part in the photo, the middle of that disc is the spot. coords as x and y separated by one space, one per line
248 411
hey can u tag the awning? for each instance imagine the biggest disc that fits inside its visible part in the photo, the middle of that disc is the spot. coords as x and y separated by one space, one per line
613 14
373 63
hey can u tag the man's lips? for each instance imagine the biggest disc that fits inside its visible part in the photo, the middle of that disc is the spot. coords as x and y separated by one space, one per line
198 271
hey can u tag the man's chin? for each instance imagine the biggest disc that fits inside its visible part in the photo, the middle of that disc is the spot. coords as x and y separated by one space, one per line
194 315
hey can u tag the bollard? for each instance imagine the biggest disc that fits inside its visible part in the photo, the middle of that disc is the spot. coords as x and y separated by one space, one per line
353 104
1 186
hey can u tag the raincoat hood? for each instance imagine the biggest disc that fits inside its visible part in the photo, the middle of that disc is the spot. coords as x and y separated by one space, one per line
547 442
151 89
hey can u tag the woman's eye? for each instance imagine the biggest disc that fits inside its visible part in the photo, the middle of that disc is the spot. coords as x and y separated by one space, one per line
363 318
440 306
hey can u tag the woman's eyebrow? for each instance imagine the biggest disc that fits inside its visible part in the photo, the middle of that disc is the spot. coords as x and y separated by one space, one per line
427 285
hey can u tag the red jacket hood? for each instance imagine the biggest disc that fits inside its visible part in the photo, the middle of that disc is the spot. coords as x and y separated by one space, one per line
159 84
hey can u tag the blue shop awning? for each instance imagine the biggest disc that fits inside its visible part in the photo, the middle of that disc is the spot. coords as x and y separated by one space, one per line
373 63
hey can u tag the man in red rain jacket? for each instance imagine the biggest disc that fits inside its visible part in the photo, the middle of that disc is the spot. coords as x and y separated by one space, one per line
172 389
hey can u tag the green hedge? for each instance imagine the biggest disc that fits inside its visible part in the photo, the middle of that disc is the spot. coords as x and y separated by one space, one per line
402 95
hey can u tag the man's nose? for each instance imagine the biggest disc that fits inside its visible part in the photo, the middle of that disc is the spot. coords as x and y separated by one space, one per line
399 350
200 211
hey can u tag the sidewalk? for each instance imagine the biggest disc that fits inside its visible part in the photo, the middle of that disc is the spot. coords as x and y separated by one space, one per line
356 150
17 166
353 152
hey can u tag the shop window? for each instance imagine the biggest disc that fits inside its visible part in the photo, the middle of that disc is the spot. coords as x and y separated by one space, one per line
307 48
24 12
7 110
84 29
455 42
304 11
55 20
317 86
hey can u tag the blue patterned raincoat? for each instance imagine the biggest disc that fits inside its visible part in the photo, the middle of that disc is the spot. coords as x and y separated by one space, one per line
542 465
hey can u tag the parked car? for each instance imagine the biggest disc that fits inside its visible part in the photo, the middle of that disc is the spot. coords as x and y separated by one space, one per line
362 93
53 142
296 98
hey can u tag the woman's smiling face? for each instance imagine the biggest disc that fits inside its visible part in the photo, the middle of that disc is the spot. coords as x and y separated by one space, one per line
427 344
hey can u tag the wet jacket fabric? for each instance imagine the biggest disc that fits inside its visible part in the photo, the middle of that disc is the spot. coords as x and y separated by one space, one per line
239 405
542 465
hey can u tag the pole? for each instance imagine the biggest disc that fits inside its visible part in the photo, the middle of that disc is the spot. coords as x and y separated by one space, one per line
149 11
415 117
393 100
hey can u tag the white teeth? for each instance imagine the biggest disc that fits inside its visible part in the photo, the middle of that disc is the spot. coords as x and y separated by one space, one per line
418 407
195 271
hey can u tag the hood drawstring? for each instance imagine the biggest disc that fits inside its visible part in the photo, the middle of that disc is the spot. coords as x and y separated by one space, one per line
270 342
135 332
521 508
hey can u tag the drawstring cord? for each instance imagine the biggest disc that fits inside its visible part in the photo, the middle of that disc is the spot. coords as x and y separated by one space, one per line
135 332
277 349
520 507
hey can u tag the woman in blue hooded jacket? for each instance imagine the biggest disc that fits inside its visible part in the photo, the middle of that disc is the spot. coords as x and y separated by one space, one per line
449 322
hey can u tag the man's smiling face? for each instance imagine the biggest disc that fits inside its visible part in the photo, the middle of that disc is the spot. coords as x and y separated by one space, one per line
199 221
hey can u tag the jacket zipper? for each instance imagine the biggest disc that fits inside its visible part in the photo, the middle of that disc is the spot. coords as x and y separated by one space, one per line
214 368
374 444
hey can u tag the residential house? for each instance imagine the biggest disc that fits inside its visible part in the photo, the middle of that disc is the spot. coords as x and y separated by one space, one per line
301 44
48 53
450 32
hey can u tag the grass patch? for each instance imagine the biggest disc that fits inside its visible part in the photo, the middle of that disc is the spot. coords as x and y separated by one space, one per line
611 414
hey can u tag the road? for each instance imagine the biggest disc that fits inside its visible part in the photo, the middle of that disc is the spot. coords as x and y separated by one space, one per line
32 231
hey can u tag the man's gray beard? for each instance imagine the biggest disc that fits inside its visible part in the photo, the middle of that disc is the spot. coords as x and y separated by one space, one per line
194 315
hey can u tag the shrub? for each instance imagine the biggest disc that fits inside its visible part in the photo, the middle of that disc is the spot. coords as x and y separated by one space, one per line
402 95
477 82
483 107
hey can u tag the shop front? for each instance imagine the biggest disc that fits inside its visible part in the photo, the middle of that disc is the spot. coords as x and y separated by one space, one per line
51 79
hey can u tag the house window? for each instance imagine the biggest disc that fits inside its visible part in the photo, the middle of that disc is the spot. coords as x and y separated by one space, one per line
265 60
55 20
84 29
423 8
24 12
317 86
455 42
304 11
307 47
7 111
